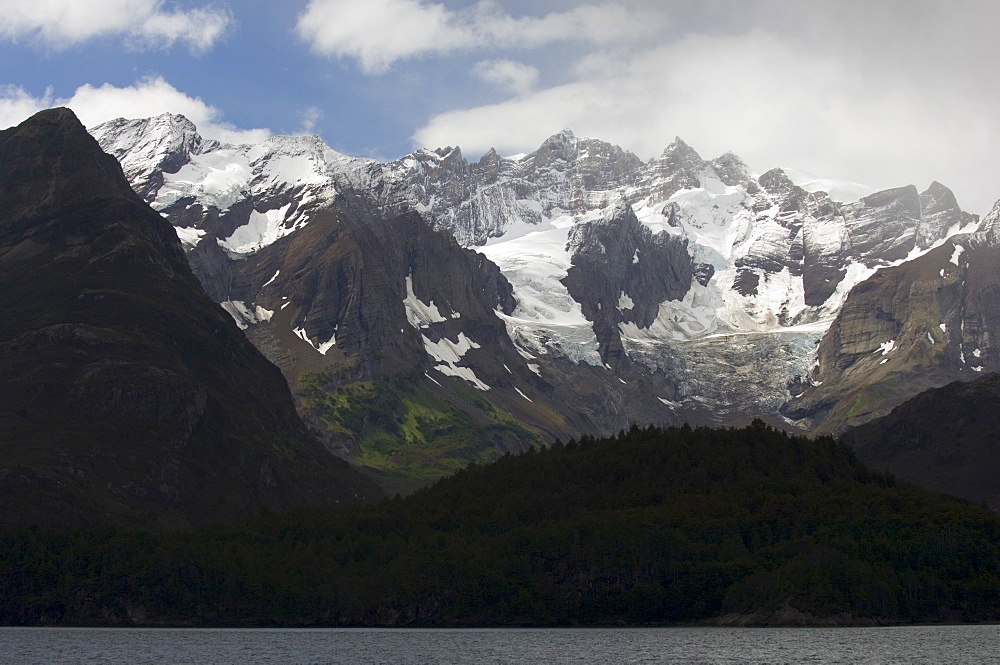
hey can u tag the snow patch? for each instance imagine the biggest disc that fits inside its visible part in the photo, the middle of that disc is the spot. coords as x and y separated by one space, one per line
886 347
688 319
263 229
522 394
957 254
449 353
462 373
418 313
189 236
240 312
263 314
219 179
322 348
273 277
327 345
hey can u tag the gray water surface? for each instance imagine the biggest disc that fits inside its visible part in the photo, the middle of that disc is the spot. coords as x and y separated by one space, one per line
722 646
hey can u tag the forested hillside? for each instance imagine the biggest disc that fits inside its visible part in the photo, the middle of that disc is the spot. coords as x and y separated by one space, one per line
649 527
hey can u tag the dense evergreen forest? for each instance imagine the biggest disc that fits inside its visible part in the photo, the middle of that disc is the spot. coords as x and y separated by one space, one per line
649 527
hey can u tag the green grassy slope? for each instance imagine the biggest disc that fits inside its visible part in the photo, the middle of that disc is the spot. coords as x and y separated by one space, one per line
405 436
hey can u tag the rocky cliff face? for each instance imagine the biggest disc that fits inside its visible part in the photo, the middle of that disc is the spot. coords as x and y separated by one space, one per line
620 272
908 328
612 290
127 395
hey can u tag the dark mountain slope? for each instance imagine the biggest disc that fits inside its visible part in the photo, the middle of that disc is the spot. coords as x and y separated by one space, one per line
359 297
126 394
944 439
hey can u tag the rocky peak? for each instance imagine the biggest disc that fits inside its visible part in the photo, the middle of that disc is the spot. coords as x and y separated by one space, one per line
48 158
789 196
776 182
149 147
883 225
489 167
293 146
732 170
679 167
556 148
679 152
990 226
603 166
939 212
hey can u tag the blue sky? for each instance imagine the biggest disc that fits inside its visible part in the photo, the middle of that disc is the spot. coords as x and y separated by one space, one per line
884 92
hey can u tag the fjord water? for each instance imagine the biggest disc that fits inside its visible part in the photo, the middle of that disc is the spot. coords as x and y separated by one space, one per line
689 646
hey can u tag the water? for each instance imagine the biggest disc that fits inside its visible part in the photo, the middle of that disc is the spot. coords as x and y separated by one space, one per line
688 646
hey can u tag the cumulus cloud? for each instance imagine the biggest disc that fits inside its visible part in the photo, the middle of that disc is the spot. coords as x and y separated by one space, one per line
906 96
143 24
147 97
507 75
380 32
16 104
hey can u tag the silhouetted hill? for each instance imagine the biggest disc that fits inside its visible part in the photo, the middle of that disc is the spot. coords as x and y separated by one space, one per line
943 439
127 396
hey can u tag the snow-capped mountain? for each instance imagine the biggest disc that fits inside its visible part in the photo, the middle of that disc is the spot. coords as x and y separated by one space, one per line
607 288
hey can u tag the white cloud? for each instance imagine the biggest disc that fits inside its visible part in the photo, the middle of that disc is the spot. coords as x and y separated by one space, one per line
148 97
143 24
16 104
507 75
841 104
379 32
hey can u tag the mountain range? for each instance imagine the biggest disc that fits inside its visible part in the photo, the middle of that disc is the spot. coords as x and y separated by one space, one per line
431 311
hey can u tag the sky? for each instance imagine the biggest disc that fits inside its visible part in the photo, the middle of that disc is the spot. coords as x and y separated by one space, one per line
882 92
